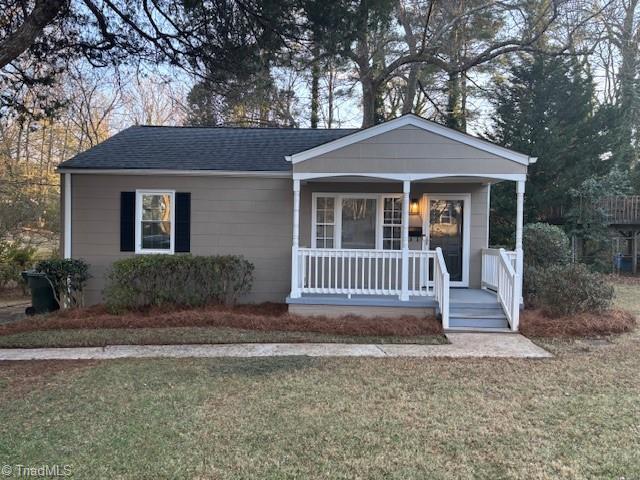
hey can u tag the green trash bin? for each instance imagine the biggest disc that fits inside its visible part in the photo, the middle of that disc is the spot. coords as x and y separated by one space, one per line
42 298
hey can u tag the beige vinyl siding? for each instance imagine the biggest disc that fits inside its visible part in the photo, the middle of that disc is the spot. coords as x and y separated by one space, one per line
479 220
242 216
409 149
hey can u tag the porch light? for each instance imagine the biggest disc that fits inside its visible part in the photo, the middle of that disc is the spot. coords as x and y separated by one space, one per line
414 207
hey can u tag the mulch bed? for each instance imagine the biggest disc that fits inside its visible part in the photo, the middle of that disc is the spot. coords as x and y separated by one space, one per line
536 323
262 317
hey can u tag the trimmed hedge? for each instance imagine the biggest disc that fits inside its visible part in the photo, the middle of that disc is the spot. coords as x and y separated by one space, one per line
184 280
570 289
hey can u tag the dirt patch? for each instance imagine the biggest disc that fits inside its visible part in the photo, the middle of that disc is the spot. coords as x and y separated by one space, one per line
263 317
536 323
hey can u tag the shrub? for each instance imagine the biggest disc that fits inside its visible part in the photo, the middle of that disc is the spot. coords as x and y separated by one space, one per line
571 289
148 280
14 258
68 278
530 285
545 245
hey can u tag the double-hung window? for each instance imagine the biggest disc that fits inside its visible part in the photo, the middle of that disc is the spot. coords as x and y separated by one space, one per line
155 221
392 224
357 221
325 222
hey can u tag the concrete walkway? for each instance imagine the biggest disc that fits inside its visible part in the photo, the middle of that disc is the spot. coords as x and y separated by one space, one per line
462 345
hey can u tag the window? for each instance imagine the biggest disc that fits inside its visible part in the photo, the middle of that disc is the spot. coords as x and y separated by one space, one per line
154 221
359 221
392 224
325 222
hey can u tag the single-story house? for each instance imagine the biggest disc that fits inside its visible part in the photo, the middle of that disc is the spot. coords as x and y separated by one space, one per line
387 220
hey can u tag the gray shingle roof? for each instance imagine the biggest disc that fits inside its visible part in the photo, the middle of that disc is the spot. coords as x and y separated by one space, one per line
202 148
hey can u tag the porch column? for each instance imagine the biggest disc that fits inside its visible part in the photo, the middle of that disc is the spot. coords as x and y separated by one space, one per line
295 282
519 227
67 215
404 292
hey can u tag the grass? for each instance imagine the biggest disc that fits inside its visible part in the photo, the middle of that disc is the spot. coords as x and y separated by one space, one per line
192 335
574 416
628 297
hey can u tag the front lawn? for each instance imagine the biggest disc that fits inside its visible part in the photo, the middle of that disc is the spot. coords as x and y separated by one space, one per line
574 416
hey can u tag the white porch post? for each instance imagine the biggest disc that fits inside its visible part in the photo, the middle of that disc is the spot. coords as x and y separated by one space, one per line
67 215
295 281
519 227
404 292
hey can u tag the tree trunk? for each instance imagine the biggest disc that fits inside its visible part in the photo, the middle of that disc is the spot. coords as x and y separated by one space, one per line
456 97
411 88
369 97
627 97
315 89
330 95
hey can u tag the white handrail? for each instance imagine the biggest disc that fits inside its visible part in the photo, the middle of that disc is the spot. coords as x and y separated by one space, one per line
490 266
507 289
441 286
363 272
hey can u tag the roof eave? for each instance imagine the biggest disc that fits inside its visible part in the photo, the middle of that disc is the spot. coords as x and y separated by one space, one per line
159 171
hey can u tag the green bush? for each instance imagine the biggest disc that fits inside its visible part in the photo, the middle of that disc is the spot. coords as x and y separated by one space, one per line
570 289
68 277
545 245
14 258
147 280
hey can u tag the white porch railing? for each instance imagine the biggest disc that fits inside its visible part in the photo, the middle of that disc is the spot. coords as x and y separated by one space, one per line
508 290
441 286
363 272
490 260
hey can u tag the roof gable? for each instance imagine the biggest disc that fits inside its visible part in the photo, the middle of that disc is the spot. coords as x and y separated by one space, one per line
420 123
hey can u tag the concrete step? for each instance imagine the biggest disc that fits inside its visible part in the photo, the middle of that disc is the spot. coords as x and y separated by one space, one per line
476 322
479 330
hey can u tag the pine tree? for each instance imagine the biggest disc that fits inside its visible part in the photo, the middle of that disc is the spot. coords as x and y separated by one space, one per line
546 109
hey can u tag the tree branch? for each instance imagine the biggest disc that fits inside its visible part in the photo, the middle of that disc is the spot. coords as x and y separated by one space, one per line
43 13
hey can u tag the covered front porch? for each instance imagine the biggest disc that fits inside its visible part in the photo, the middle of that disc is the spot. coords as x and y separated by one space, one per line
415 244
396 216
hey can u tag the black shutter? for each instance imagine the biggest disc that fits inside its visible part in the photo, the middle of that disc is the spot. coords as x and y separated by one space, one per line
127 221
183 222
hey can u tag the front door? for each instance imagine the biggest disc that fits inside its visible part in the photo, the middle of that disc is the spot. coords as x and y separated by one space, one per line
447 225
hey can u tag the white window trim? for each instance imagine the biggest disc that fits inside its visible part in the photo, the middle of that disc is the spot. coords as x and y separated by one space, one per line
337 214
139 194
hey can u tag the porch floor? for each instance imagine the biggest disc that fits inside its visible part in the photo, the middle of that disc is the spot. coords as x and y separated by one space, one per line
361 300
456 295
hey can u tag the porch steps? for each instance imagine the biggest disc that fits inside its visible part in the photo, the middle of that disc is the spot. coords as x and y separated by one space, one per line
477 316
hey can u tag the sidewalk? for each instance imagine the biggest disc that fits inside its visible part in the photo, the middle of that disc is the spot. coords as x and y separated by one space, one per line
462 345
